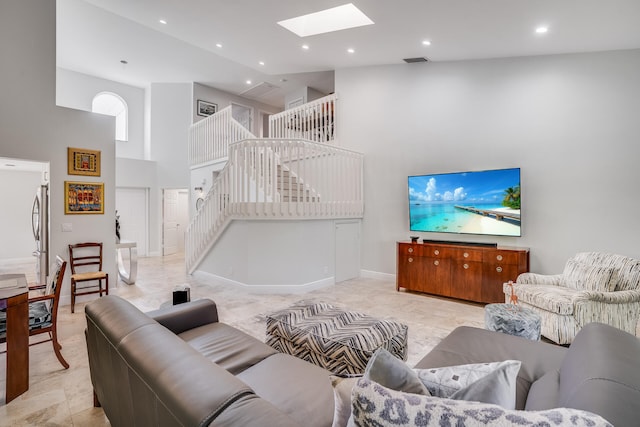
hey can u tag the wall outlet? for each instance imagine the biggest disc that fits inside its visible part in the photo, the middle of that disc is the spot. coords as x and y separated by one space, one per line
67 226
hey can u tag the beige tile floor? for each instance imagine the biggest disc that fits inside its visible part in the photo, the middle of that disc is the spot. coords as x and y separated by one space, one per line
59 397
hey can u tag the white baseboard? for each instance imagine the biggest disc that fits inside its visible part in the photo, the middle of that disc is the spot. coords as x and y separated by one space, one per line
266 288
377 275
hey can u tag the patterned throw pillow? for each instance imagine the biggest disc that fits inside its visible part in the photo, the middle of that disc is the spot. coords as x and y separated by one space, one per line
483 382
375 405
585 277
491 383
496 376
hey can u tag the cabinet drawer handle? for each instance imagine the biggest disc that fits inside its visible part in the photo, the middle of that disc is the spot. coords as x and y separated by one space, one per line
499 269
499 257
466 266
437 252
410 250
410 259
466 255
436 262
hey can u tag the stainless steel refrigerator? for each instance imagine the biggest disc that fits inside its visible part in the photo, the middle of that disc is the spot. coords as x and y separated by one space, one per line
40 226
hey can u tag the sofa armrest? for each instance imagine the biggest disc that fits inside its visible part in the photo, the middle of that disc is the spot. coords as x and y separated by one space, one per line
619 309
539 279
189 315
618 297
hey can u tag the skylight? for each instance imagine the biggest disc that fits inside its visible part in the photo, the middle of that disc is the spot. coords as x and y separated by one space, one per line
326 21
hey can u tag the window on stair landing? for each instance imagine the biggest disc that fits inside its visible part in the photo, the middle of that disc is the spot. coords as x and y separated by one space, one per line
113 105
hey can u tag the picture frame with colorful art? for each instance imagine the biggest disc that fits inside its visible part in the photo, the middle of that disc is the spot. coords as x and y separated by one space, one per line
83 197
81 161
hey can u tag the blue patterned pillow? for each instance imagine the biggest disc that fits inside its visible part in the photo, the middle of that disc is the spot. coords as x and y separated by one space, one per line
375 405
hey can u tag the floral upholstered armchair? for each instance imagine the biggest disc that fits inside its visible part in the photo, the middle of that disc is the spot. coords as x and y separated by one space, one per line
594 287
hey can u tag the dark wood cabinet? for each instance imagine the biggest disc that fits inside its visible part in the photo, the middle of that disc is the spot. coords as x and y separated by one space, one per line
457 270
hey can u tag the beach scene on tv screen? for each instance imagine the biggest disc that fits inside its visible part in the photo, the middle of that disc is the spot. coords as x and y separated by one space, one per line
485 202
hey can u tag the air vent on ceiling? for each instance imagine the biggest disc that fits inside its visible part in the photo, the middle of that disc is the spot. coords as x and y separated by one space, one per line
259 90
414 60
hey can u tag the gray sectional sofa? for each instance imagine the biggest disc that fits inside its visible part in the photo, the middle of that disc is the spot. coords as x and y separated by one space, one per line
181 366
599 372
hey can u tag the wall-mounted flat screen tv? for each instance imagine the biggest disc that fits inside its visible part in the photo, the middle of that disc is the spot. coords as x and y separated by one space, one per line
478 202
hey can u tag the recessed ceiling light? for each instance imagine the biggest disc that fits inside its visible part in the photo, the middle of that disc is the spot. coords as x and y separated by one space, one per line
162 21
218 45
326 21
541 30
261 62
248 82
426 42
305 46
351 50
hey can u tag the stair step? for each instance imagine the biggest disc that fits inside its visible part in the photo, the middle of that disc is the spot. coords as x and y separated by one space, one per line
287 198
290 186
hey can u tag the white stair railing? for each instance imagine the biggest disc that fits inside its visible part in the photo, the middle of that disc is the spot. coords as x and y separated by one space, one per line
313 121
209 138
277 179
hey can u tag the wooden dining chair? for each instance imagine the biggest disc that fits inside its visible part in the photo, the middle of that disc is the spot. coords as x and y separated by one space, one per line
86 271
43 311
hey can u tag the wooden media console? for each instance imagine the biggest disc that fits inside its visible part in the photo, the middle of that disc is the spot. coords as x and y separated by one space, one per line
471 272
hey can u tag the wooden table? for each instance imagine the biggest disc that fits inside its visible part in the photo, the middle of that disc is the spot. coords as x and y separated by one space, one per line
14 297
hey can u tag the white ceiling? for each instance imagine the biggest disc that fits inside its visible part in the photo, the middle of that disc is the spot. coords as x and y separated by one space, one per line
94 35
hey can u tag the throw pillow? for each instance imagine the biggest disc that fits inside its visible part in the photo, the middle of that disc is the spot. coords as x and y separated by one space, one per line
373 404
386 369
483 382
497 386
342 398
585 277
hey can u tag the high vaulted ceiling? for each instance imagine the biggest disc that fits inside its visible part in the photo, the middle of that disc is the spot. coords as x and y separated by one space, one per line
95 35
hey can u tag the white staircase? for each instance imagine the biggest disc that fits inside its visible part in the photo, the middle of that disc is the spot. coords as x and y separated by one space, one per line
275 178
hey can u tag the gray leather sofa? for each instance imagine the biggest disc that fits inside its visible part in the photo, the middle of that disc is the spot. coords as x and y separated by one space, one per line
148 372
599 372
156 369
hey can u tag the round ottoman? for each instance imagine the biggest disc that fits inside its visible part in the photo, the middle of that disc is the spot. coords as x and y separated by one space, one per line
513 320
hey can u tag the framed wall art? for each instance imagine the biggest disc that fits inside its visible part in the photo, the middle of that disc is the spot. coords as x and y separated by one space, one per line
83 197
206 108
81 161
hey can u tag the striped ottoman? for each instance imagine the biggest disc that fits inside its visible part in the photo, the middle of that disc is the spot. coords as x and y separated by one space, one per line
332 338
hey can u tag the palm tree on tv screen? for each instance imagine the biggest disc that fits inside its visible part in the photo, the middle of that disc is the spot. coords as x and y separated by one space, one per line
512 197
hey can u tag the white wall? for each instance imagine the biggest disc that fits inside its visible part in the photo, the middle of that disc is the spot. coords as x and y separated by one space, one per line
33 128
569 121
272 256
17 191
170 121
132 173
76 90
170 118
224 99
307 94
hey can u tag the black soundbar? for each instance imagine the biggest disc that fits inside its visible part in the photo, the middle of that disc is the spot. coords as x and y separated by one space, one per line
451 242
